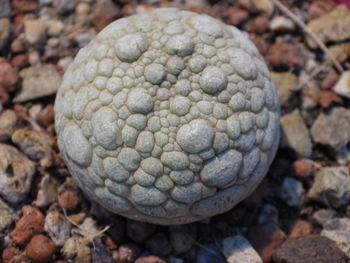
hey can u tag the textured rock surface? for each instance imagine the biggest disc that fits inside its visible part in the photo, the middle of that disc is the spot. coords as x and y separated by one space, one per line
168 117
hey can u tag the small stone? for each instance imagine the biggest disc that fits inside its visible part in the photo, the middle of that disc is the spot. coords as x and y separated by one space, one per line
101 254
139 231
292 192
332 27
309 249
264 6
7 216
128 253
342 87
260 24
299 228
319 8
283 55
40 249
8 76
265 238
295 134
20 61
31 223
286 84
210 254
65 6
327 98
68 200
150 259
8 123
16 174
9 253
104 12
332 128
57 227
34 31
238 249
158 244
303 168
5 26
237 16
77 250
268 213
38 81
182 238
331 186
330 80
338 230
321 216
281 23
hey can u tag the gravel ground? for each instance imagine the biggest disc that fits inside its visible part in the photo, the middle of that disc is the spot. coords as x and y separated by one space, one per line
300 212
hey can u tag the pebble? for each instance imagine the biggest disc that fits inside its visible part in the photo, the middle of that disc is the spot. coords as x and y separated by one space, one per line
292 192
158 244
77 250
40 249
9 253
5 26
16 174
319 8
266 238
268 213
20 61
237 249
331 186
338 230
342 87
101 254
57 227
284 55
327 98
7 216
332 128
139 231
65 6
68 199
281 23
31 223
103 13
265 6
260 24
128 253
150 259
38 81
8 124
182 238
34 30
35 144
299 228
210 254
309 249
237 16
329 80
332 27
321 216
303 168
286 84
295 134
8 76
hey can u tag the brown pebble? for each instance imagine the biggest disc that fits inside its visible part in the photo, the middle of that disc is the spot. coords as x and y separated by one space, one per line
4 96
68 199
330 80
237 16
40 249
150 259
8 76
20 61
260 24
266 238
21 111
283 55
9 253
23 6
104 12
46 116
327 98
31 223
303 168
299 228
319 8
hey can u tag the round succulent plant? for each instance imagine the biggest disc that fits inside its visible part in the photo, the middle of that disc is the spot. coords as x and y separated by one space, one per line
168 117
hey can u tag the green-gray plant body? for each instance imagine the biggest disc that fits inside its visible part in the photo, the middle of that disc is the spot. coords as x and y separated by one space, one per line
168 117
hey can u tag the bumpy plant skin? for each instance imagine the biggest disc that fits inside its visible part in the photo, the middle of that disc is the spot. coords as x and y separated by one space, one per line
168 117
